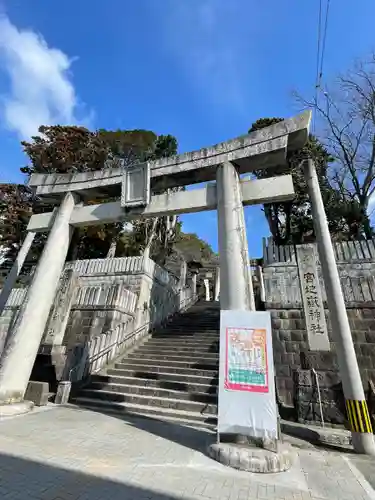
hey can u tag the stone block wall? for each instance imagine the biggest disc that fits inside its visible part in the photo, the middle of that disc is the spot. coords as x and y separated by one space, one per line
108 292
110 305
98 308
291 355
298 370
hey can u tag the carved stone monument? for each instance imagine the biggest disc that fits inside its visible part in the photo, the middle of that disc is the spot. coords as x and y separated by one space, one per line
312 298
54 334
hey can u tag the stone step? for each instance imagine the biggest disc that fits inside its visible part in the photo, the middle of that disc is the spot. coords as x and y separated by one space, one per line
198 318
184 332
190 328
154 392
178 357
173 376
166 369
184 344
186 336
164 377
172 342
171 384
179 351
176 346
193 325
163 402
197 315
176 416
200 365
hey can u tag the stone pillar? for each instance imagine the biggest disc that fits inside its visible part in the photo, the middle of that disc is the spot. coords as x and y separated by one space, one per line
262 289
19 355
207 289
194 283
233 283
217 284
362 437
16 269
183 274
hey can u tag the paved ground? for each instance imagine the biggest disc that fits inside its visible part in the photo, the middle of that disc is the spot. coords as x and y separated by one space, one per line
72 454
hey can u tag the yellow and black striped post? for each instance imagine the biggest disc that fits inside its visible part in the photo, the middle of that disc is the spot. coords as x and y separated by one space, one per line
358 416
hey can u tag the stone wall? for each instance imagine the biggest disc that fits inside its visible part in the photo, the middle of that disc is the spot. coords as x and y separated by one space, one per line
299 370
101 307
10 313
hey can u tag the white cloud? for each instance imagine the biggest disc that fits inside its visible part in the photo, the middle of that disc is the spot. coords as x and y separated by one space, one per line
41 92
206 39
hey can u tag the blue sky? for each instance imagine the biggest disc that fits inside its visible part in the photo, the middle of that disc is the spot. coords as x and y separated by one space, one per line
202 70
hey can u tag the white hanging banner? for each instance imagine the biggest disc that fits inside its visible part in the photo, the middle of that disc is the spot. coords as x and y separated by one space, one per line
247 402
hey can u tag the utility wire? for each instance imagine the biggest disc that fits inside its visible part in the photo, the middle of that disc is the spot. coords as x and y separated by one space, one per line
318 46
321 46
324 41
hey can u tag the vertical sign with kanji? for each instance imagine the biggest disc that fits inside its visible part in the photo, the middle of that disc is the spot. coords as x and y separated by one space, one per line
312 298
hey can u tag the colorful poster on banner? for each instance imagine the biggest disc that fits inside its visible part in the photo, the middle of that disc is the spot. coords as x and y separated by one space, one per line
246 365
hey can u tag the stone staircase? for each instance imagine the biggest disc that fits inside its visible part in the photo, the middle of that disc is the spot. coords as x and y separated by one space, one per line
173 376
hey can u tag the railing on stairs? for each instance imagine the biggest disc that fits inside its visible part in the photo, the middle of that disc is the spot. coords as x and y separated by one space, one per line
91 362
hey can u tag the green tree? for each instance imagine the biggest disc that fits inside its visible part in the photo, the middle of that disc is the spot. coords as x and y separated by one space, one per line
17 203
291 222
193 248
65 149
15 211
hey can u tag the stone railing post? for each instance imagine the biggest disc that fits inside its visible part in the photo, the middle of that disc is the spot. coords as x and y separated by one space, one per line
217 284
194 283
183 274
16 269
262 290
206 282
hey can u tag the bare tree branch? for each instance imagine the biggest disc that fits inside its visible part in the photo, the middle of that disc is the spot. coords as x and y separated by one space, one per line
346 125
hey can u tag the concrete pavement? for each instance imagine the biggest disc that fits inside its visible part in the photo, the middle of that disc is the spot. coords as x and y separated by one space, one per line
66 453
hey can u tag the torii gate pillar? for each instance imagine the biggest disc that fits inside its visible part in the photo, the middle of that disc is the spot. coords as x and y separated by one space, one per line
236 288
19 354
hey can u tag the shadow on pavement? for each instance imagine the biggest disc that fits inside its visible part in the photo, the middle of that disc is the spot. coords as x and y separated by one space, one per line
190 437
23 479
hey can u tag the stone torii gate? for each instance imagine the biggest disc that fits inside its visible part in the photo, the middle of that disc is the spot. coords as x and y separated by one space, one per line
135 185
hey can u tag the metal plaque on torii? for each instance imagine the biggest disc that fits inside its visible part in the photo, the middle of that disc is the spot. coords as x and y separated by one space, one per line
135 187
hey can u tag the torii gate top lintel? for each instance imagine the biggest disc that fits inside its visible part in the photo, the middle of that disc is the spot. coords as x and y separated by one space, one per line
260 149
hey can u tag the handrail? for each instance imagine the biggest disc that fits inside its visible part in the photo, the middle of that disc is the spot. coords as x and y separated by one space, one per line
104 351
319 397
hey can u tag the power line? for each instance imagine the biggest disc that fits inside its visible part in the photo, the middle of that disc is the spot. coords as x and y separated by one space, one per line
324 41
317 60
321 47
